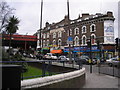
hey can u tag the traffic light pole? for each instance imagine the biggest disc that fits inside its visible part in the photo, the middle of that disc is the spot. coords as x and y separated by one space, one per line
90 46
90 56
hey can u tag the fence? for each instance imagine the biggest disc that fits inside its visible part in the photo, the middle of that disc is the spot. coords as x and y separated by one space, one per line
47 67
108 69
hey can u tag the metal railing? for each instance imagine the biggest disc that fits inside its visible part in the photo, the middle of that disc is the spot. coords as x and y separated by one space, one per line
46 66
112 70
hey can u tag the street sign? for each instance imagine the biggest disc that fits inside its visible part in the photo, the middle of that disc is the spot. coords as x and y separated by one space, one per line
70 40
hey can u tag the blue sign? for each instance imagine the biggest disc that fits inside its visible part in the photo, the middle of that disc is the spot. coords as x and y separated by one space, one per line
70 39
82 49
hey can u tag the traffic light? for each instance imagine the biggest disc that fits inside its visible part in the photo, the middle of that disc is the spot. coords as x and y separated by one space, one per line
98 44
116 42
89 43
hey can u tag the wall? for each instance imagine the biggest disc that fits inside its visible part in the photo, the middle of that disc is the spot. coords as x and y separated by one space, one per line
74 79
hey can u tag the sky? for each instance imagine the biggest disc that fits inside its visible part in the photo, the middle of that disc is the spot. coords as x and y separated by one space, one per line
28 12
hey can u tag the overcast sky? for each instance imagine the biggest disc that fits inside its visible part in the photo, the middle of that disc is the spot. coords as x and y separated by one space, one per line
28 11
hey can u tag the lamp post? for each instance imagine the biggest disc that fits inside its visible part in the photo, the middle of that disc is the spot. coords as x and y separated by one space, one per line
40 25
70 38
26 43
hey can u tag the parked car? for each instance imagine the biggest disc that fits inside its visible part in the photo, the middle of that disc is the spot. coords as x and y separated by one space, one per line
86 60
113 61
62 58
94 60
50 56
39 56
32 56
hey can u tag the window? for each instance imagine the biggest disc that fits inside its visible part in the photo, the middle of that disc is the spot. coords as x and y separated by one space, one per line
59 34
76 31
54 42
48 28
59 42
47 35
76 41
54 35
41 35
70 31
43 43
84 40
44 35
84 29
93 28
38 36
93 38
47 43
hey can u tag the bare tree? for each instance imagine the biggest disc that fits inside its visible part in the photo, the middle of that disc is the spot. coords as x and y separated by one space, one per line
5 13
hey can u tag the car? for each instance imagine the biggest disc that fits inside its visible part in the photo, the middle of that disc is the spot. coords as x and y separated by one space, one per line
39 56
113 61
84 59
32 56
95 60
62 58
50 56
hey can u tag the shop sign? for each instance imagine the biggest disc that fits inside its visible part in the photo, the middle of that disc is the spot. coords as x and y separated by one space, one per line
108 31
81 49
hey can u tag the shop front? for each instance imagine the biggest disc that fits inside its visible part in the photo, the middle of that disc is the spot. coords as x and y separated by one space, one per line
84 50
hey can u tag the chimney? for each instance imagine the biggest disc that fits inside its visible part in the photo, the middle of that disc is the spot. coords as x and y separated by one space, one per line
84 15
66 17
110 14
47 24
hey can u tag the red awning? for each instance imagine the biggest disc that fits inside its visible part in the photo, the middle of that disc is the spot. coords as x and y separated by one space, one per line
56 51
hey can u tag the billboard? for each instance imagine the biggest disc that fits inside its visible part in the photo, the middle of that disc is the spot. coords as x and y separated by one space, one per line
109 32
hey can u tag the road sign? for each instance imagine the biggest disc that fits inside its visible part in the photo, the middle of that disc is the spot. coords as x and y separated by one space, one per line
70 40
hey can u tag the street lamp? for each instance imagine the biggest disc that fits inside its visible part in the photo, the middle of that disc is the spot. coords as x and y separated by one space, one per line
25 43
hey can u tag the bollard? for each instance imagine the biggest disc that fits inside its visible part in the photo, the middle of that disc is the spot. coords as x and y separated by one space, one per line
11 77
43 69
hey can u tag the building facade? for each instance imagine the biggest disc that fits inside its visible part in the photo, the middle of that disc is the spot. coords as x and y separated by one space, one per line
98 27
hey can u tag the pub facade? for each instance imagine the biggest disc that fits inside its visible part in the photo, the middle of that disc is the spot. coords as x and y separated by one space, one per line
97 28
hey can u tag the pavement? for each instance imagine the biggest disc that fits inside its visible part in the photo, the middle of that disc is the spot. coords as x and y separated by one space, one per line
96 80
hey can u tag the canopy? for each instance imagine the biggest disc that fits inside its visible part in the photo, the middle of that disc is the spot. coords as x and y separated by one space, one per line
56 51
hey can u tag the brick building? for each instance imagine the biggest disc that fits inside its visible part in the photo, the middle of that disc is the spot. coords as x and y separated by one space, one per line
100 27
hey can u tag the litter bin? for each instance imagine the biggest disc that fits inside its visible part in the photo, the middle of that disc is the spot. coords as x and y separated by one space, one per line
11 77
